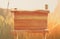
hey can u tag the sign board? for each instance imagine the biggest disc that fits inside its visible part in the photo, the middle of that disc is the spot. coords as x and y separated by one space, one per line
30 20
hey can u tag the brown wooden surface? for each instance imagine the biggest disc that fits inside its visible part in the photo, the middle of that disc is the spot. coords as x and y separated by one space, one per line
30 20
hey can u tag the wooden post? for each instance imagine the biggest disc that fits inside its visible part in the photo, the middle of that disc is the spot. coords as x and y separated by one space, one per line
17 35
45 33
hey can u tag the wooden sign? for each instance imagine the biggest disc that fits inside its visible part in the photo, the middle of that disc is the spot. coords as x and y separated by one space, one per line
30 20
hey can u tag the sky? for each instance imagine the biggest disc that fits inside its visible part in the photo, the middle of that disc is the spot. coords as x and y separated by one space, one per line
29 4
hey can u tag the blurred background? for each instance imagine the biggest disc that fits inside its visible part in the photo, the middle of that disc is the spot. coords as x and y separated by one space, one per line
7 18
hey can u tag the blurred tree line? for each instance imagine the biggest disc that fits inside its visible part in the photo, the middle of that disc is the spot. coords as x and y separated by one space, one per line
6 24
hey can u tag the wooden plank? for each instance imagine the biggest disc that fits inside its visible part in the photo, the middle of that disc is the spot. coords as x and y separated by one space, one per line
29 24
